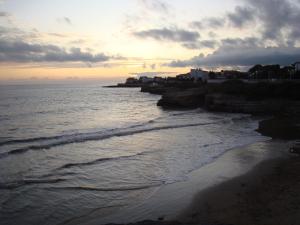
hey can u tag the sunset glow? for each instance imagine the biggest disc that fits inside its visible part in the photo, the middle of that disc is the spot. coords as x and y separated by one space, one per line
97 39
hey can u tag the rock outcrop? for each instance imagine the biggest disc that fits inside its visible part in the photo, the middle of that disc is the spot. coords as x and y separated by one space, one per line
157 90
281 127
189 98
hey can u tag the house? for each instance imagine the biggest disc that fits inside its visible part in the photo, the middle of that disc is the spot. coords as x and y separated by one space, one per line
297 66
184 77
199 75
145 80
265 72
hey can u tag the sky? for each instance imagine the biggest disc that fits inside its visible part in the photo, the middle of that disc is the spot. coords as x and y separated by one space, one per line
91 39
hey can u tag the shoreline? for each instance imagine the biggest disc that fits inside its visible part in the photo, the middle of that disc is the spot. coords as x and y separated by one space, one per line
265 195
179 203
230 199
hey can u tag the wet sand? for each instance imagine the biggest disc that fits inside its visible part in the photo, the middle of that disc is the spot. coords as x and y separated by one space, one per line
267 192
231 190
253 185
267 195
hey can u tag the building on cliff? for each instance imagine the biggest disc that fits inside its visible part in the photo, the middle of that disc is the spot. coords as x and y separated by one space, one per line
199 75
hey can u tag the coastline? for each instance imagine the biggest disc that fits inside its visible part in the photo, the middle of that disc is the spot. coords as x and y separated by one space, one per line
258 188
183 202
265 195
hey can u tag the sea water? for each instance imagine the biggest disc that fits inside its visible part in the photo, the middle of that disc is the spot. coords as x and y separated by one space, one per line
69 150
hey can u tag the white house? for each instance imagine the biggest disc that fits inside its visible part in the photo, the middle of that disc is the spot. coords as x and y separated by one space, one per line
199 74
297 66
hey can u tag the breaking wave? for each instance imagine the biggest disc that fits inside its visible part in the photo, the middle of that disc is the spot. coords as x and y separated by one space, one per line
51 142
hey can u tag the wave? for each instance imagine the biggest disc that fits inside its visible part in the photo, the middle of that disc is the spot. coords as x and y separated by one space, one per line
51 138
84 137
87 188
43 179
36 139
20 183
81 164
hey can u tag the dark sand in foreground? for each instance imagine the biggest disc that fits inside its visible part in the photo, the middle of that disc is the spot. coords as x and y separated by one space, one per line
268 194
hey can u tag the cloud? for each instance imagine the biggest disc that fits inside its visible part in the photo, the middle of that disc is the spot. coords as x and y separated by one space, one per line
58 35
166 34
278 20
153 74
156 5
25 46
201 44
4 14
212 34
208 23
214 22
65 20
197 25
20 51
242 52
241 16
273 20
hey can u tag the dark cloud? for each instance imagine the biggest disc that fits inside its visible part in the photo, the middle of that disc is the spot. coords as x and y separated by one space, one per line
14 33
165 34
275 20
4 14
20 51
279 19
17 45
211 22
241 16
215 22
201 44
248 42
153 74
242 52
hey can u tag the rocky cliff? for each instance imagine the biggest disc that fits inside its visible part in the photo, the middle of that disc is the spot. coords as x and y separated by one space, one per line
188 98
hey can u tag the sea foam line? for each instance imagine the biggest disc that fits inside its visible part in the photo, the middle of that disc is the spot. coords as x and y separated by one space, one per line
79 138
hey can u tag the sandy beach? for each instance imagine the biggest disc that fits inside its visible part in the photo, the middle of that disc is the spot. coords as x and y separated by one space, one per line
255 184
268 194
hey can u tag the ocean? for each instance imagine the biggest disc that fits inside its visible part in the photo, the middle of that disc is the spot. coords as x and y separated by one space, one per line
70 150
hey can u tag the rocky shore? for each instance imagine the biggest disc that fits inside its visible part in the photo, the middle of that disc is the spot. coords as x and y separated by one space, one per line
188 98
235 97
281 127
268 194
